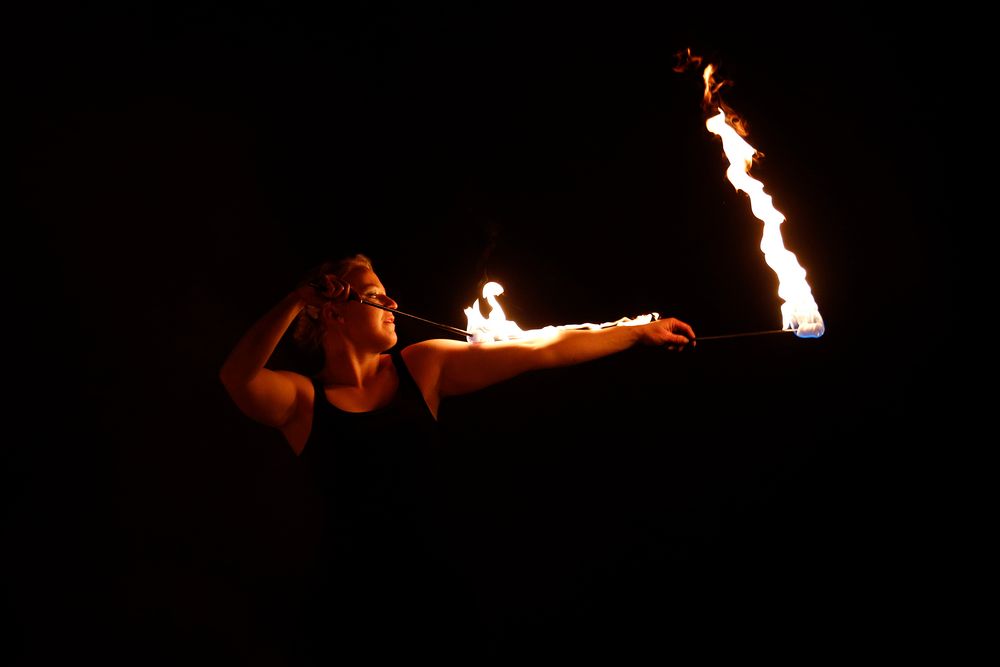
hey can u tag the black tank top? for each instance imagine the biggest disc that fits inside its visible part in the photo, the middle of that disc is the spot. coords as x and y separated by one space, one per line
382 557
375 471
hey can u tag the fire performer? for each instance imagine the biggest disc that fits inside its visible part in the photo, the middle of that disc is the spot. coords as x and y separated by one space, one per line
365 428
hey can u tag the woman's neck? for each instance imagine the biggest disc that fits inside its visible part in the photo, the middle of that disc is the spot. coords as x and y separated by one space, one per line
353 370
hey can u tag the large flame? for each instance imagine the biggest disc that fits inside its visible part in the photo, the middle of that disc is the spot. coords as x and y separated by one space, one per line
496 326
799 310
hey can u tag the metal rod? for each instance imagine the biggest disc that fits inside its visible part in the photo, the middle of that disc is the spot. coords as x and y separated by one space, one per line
462 332
449 329
352 295
740 335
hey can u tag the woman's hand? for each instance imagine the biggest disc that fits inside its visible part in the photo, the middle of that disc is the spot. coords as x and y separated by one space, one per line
669 332
328 287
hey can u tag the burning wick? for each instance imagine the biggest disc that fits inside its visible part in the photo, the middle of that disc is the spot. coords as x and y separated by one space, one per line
799 311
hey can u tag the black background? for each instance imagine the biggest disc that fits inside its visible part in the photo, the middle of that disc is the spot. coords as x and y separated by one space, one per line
178 168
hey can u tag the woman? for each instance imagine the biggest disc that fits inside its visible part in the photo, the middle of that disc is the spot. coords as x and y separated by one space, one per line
365 427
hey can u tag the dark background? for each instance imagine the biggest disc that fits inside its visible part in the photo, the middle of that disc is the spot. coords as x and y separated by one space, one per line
177 168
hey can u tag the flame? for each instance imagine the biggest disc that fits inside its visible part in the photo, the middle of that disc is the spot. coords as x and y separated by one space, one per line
799 310
496 326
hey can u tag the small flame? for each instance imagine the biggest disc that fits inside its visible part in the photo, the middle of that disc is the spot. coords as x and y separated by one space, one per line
496 326
799 310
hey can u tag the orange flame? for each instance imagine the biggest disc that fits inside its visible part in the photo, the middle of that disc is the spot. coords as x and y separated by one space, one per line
799 311
496 326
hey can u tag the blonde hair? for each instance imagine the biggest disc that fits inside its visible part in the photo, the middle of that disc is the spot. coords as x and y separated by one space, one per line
308 331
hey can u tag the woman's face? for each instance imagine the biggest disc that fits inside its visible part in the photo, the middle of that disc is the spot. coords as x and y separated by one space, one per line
366 325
